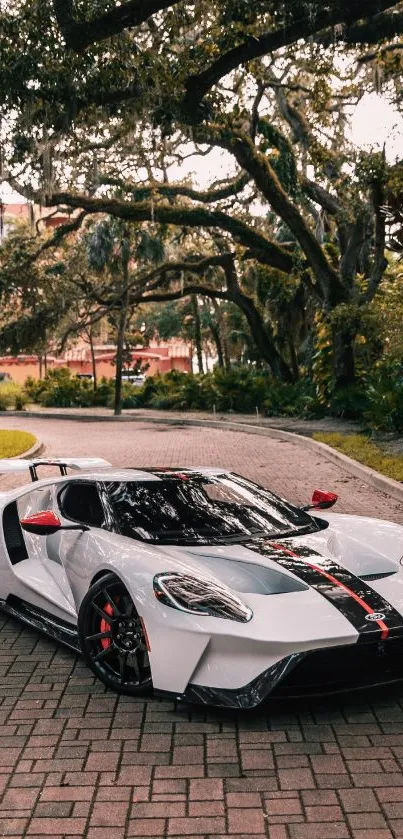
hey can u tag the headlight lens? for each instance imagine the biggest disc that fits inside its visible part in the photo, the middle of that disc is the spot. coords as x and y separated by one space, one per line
200 596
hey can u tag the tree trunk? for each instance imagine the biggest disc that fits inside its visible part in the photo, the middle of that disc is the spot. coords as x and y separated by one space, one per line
93 360
260 332
215 332
293 358
222 334
264 343
343 357
197 330
120 343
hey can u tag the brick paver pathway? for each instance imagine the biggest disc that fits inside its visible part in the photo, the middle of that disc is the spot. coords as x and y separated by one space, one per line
78 761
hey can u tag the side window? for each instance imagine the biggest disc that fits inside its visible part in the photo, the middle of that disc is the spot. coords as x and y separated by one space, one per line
80 502
13 535
19 545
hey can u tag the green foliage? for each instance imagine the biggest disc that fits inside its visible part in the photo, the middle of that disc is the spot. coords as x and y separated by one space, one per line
100 243
149 248
388 305
280 155
350 402
293 400
242 390
365 451
13 443
371 168
11 396
384 411
61 389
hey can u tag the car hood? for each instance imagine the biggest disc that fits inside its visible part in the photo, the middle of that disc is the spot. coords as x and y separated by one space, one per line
353 564
364 546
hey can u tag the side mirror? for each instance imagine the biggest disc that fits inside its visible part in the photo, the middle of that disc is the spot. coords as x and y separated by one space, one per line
322 500
46 523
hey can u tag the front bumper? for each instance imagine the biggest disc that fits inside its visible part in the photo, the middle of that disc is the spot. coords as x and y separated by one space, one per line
319 672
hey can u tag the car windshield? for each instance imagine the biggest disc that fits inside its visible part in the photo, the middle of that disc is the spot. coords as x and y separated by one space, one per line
197 509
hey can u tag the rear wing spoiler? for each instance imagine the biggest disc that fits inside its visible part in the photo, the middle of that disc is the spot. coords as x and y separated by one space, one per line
11 465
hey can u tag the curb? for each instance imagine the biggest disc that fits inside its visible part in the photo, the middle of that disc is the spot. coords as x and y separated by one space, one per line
36 449
370 476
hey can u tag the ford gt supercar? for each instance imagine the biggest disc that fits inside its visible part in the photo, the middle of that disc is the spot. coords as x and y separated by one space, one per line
201 585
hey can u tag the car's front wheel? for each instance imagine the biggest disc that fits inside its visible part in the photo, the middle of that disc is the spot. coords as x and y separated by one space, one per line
112 637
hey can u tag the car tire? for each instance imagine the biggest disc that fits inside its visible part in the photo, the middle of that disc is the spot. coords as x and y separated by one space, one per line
113 639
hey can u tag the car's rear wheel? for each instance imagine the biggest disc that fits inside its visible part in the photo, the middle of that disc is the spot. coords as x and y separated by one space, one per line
112 637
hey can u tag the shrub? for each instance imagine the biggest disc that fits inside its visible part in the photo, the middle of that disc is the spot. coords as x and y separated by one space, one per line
62 390
293 400
350 402
104 392
12 396
384 410
13 443
242 390
33 388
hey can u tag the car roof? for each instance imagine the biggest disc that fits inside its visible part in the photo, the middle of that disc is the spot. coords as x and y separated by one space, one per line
115 474
110 474
147 474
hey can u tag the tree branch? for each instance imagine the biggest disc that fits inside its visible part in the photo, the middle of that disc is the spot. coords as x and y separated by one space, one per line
79 35
356 239
305 26
252 161
141 193
380 262
270 252
159 276
372 30
204 291
321 196
60 232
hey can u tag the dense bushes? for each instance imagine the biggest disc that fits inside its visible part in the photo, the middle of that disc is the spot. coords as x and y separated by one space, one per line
12 396
61 389
384 409
376 400
242 390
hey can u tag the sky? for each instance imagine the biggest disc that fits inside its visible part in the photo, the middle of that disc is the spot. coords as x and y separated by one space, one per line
374 123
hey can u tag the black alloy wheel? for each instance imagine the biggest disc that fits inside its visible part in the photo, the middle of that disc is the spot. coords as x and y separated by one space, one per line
112 637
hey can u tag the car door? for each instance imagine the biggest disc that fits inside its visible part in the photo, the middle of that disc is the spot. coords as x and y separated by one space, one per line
34 577
77 502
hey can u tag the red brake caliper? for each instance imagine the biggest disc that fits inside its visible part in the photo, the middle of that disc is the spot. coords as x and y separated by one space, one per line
105 626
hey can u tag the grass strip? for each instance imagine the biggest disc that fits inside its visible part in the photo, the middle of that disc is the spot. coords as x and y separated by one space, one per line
13 443
361 448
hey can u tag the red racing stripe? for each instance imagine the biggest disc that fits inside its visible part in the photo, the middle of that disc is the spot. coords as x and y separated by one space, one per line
335 581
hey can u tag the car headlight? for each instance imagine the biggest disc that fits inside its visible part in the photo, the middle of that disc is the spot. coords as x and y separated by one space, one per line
200 596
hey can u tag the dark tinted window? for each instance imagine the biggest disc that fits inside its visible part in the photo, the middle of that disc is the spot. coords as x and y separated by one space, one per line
13 534
198 510
81 502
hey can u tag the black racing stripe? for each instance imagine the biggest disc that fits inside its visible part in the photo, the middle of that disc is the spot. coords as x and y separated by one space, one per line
367 627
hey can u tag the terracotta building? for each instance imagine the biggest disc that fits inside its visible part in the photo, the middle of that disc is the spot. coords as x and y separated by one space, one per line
159 358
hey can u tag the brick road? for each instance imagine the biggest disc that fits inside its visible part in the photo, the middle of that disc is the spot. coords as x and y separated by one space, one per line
76 760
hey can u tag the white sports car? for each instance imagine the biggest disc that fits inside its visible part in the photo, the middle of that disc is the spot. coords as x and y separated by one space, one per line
201 585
